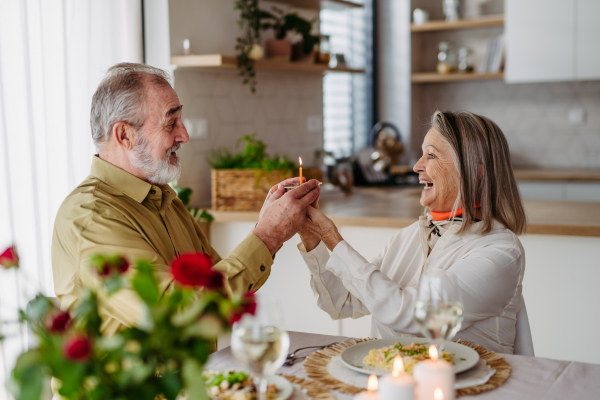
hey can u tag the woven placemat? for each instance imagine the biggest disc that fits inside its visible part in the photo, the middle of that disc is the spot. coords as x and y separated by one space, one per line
315 367
313 388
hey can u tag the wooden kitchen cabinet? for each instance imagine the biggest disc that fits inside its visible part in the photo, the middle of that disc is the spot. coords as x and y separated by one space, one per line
540 39
552 40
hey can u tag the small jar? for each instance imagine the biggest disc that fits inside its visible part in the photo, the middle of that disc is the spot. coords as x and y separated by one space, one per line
446 58
324 54
465 59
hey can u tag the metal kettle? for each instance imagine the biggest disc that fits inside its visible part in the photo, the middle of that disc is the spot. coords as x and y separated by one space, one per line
388 147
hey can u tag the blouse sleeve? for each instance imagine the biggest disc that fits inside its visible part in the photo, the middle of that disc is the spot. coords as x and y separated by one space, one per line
330 292
486 279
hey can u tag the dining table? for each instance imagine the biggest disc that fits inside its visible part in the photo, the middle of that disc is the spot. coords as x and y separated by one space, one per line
531 377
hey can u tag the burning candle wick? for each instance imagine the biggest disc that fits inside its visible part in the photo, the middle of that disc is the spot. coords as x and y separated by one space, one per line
300 158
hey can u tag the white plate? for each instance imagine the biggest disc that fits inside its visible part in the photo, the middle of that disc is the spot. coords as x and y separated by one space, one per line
464 357
284 387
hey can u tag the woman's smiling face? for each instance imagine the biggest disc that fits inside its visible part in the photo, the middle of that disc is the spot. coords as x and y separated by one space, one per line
437 172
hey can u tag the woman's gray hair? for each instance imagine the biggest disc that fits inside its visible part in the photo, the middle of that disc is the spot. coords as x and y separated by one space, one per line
121 97
482 159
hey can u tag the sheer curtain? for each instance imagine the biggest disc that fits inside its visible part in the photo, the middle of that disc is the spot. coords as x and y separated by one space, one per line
53 54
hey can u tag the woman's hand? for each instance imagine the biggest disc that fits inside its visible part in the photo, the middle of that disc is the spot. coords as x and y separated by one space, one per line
309 239
322 227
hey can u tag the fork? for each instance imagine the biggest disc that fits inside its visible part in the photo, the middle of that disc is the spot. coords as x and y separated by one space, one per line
291 358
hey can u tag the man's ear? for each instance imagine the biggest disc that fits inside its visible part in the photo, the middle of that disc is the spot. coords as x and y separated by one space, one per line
124 135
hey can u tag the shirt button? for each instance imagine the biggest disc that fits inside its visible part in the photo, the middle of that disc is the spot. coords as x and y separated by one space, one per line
153 191
262 268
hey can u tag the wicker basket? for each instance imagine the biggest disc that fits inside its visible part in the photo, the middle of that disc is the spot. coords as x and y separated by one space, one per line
243 190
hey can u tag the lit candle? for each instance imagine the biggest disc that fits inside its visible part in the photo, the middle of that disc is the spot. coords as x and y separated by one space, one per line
371 393
300 158
435 378
438 394
398 385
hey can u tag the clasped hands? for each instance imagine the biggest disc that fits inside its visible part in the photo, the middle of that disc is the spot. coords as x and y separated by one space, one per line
297 211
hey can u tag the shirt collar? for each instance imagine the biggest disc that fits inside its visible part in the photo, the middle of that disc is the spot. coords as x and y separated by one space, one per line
120 179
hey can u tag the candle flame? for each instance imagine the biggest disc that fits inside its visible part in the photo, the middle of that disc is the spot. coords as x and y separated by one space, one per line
438 394
300 158
433 353
398 367
372 384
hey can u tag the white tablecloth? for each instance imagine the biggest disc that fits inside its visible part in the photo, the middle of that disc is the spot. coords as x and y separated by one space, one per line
531 377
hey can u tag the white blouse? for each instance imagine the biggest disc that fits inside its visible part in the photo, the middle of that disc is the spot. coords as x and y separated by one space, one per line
487 269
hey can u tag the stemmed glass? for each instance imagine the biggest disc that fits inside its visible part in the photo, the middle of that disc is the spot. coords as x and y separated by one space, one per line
438 310
260 343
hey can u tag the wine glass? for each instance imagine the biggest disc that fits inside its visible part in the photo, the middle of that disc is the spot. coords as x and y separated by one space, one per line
438 310
260 343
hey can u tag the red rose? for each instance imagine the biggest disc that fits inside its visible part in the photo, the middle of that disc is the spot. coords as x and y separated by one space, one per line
247 306
9 258
78 348
121 264
195 269
106 266
58 321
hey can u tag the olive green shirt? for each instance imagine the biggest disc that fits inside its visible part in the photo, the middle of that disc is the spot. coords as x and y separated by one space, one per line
112 212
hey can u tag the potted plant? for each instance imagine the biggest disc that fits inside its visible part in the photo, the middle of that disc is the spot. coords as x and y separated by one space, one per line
241 181
248 44
203 217
283 23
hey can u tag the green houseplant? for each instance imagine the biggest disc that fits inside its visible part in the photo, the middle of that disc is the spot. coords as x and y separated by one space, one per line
241 181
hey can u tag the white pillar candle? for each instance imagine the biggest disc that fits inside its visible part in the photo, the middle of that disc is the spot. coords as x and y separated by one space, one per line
398 385
434 374
371 392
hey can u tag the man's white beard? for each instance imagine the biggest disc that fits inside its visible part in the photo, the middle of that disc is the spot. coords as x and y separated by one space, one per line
158 172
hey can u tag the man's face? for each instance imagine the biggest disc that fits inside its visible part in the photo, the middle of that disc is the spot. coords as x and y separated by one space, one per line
161 136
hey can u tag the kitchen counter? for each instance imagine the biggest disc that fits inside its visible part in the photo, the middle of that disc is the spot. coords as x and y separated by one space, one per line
399 207
557 174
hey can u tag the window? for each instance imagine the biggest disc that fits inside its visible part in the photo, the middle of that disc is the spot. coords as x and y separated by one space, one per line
347 110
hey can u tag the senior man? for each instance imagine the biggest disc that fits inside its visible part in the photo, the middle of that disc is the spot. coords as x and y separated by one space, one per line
126 206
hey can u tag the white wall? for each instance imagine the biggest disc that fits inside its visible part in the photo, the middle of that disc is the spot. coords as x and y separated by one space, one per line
560 288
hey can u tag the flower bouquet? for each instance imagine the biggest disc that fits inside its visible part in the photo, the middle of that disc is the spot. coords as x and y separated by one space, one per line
160 358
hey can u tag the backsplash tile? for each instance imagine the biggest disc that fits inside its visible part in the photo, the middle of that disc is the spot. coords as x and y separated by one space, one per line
533 116
278 113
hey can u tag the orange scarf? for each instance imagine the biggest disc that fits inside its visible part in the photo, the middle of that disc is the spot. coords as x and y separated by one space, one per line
443 215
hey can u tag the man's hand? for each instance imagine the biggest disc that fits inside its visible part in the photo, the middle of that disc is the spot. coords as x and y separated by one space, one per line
283 214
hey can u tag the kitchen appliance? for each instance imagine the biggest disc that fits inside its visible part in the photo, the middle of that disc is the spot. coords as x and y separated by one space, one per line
373 162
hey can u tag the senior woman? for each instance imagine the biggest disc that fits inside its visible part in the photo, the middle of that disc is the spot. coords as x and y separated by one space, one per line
468 238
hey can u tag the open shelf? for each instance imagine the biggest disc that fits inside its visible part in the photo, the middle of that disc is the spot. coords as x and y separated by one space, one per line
219 61
482 22
434 77
321 4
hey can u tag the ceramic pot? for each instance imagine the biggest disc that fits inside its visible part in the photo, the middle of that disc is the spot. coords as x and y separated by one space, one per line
280 49
298 54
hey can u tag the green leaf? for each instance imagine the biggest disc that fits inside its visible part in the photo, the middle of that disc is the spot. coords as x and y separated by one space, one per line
192 378
113 284
184 194
145 284
110 343
190 314
201 351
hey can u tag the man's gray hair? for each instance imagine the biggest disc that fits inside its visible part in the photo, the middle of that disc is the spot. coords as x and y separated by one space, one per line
121 97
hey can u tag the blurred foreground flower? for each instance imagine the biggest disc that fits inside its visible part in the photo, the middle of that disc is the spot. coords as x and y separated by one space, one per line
57 322
159 358
78 348
195 269
9 258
